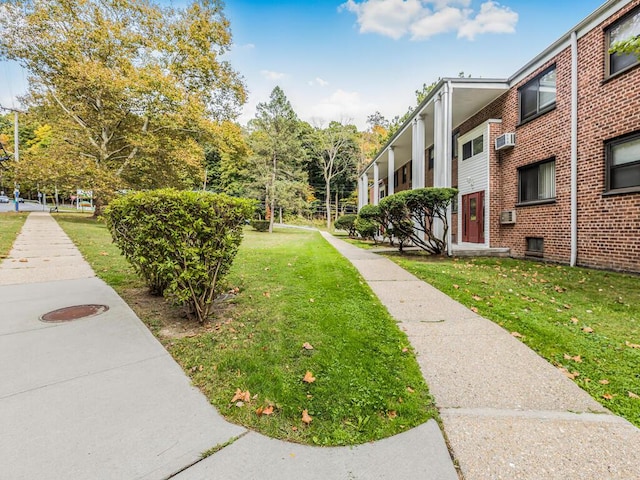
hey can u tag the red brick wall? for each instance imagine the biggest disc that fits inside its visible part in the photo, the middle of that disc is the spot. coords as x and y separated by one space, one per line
608 226
403 185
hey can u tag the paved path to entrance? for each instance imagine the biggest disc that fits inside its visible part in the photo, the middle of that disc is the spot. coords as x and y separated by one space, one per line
100 398
507 413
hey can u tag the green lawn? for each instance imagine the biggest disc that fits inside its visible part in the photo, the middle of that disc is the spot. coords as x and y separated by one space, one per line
10 225
584 321
293 289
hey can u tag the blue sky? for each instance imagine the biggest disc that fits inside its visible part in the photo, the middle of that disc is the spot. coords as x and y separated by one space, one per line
338 60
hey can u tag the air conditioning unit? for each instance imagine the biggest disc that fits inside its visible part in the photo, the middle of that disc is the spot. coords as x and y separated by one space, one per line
507 217
506 140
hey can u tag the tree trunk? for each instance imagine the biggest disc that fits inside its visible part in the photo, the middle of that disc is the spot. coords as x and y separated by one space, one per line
328 203
273 193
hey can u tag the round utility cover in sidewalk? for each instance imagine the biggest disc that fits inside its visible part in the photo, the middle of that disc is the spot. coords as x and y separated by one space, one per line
76 312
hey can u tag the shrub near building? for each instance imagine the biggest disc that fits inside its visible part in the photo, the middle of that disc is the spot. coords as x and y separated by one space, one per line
182 243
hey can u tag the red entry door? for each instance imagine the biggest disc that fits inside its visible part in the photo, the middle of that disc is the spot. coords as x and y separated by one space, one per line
473 217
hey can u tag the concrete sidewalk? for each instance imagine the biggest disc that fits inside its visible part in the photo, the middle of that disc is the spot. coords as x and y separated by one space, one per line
100 398
507 413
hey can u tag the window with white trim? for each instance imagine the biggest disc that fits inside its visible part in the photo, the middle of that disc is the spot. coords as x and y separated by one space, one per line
473 147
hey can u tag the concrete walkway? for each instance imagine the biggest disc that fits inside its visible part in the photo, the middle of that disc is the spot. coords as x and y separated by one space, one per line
100 398
507 413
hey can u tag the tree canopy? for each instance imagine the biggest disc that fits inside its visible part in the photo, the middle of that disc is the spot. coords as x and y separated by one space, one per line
133 87
277 162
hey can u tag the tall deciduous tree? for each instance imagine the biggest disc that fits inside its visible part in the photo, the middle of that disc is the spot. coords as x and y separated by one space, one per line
277 159
128 84
336 153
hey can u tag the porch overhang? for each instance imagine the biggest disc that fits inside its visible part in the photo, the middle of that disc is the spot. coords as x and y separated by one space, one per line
468 97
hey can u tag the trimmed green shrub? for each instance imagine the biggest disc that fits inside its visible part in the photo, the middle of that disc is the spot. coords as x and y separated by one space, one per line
413 214
182 243
347 222
260 225
366 228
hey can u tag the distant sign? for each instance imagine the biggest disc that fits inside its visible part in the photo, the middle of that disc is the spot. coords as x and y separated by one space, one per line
85 193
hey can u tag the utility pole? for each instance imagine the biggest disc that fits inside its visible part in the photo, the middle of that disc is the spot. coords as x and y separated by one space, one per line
16 137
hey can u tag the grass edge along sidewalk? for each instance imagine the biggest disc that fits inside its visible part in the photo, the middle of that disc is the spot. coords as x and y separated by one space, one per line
10 225
585 322
304 352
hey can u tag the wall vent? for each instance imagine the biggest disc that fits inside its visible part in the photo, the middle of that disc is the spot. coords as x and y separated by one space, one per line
506 140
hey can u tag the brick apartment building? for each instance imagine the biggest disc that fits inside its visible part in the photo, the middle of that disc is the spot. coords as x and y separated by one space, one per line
547 161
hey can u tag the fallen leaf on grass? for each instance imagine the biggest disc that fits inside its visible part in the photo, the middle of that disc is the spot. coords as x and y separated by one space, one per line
632 345
307 346
264 410
587 329
267 294
633 395
604 381
392 414
456 287
474 309
306 418
574 320
308 377
576 358
476 298
405 350
240 395
608 396
311 300
568 374
516 334
104 254
410 390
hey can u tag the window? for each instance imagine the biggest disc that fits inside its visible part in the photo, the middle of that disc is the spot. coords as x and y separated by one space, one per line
537 182
473 147
538 95
535 247
395 178
430 157
454 147
404 174
624 29
623 162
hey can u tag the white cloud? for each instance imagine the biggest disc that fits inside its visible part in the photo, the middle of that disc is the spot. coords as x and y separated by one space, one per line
425 18
387 17
343 105
318 81
271 75
442 21
492 18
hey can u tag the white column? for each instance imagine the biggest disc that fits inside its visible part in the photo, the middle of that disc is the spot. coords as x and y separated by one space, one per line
365 189
420 146
439 164
376 183
359 193
439 150
391 170
414 153
448 91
